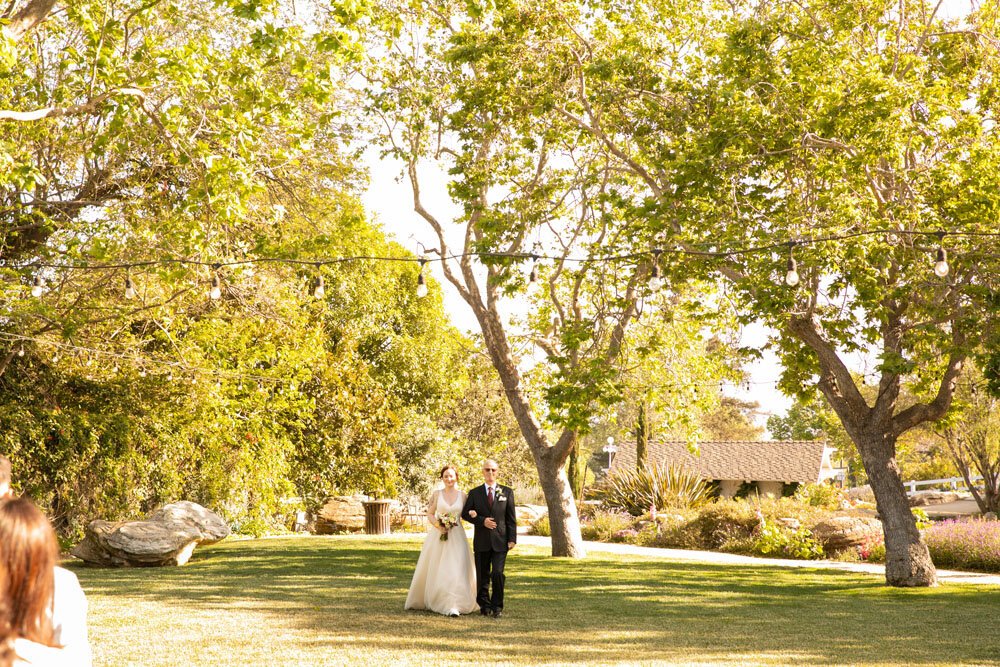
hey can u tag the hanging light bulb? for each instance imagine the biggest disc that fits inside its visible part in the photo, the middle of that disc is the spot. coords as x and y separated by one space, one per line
20 352
55 358
129 288
216 290
656 279
421 283
320 290
36 286
142 373
533 276
792 273
941 267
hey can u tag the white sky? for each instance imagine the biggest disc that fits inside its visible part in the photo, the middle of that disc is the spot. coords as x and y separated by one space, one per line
389 201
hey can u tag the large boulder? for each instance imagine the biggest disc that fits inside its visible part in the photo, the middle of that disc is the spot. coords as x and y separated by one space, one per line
167 537
529 514
340 514
210 525
925 498
841 533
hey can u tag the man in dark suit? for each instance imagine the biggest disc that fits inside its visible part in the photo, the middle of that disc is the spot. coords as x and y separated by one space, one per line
490 508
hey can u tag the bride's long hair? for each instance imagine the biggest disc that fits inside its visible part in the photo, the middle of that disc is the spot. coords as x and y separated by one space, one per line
28 556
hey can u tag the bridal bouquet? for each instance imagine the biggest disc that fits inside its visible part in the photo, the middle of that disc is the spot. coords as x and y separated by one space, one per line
449 520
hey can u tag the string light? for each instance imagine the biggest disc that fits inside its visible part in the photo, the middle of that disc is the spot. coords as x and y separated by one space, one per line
36 286
129 287
533 276
421 284
216 291
941 267
20 351
792 275
320 290
655 282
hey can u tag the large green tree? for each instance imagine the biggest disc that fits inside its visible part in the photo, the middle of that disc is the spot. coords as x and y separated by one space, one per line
145 142
731 138
482 90
777 125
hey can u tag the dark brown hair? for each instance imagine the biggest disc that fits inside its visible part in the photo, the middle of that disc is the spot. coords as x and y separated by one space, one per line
446 469
28 555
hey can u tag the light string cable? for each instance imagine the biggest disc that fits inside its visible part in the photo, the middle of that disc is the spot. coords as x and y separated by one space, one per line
534 255
143 363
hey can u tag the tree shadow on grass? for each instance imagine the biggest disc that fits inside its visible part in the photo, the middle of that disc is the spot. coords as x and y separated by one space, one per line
603 608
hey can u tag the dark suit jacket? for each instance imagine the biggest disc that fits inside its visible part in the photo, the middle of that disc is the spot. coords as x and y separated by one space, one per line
503 513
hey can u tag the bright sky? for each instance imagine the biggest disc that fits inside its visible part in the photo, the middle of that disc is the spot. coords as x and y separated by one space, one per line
389 201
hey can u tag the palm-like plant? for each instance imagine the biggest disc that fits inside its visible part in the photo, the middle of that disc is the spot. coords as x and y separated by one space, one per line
661 486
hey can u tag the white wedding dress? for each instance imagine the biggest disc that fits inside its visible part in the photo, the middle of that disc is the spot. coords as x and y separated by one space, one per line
445 579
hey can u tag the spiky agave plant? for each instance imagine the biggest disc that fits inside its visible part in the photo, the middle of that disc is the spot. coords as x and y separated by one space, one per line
660 485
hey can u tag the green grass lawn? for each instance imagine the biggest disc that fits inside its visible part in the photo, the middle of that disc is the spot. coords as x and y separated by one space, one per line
339 600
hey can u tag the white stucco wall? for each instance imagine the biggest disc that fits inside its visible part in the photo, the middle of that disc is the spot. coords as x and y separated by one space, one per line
770 489
729 487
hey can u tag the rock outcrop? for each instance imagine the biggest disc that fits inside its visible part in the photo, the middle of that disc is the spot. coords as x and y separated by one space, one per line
841 533
168 536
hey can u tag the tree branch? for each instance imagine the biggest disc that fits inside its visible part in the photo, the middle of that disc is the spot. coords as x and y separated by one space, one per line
88 108
27 19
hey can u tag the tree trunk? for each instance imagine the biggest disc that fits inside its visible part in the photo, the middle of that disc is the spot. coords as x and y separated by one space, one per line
573 468
564 523
907 560
641 437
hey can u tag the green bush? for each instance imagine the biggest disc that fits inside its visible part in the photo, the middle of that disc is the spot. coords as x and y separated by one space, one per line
604 524
661 486
819 495
772 540
541 527
724 522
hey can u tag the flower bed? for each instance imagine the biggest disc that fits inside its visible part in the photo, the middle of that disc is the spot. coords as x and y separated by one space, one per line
781 528
966 545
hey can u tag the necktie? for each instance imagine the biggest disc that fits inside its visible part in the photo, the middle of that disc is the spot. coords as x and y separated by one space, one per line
489 491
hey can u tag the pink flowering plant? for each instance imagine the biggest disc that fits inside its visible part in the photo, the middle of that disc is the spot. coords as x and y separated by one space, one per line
968 545
873 548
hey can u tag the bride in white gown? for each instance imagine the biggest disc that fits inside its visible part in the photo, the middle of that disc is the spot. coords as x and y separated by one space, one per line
445 580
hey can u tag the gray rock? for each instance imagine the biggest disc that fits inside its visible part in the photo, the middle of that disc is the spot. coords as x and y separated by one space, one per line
925 498
530 513
790 522
840 533
153 542
209 524
167 537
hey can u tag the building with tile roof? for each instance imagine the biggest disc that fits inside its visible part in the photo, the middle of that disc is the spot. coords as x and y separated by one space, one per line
769 463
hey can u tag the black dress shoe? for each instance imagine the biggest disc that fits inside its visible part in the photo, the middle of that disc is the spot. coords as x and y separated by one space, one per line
484 611
497 613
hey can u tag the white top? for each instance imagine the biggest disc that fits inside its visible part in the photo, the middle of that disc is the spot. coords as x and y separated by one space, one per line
69 629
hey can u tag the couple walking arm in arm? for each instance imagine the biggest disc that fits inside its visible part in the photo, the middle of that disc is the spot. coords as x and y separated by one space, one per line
443 580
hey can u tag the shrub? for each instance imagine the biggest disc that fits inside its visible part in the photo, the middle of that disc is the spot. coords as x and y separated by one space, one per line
773 540
662 486
541 527
724 522
604 524
820 495
972 545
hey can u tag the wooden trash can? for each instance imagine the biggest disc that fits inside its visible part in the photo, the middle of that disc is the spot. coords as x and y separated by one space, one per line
377 517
